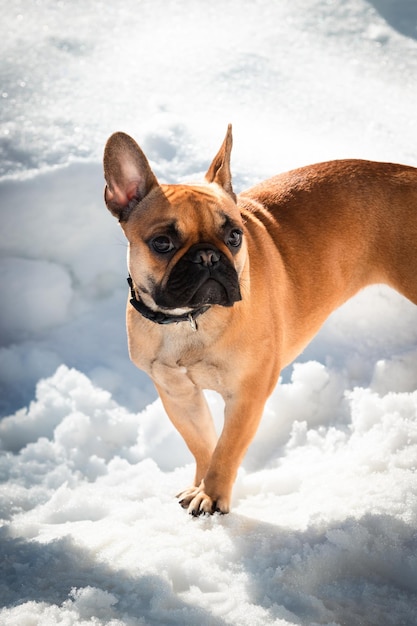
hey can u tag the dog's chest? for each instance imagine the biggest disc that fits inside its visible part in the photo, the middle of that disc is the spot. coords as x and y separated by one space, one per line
181 376
178 358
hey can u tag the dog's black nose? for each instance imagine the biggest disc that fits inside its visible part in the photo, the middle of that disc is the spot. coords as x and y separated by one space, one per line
206 256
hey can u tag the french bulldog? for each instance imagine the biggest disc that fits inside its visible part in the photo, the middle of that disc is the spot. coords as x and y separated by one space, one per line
227 290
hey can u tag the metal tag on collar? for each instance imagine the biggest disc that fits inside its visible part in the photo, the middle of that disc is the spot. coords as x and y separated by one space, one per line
193 323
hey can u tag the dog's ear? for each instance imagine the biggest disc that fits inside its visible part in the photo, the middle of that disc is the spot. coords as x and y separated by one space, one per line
128 175
219 171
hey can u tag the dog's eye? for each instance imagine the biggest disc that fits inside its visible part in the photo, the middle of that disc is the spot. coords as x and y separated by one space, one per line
235 238
162 244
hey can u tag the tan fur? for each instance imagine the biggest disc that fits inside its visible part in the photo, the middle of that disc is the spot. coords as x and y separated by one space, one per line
312 238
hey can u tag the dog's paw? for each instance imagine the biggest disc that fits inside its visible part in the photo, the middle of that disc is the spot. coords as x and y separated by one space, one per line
197 502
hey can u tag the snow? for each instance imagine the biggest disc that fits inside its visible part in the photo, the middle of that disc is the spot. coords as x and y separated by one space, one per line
324 512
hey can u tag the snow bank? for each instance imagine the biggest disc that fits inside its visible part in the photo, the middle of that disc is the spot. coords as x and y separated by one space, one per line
323 534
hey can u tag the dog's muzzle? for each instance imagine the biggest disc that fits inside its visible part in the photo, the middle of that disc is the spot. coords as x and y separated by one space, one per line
203 276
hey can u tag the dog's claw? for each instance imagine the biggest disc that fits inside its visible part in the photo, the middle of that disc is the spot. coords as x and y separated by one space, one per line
197 502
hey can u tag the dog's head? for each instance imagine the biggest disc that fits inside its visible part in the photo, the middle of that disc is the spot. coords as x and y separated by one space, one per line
186 244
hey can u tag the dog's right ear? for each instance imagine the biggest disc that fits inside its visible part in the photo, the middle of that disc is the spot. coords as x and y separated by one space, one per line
128 175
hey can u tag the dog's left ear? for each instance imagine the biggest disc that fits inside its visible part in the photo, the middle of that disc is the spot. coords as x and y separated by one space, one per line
128 175
219 171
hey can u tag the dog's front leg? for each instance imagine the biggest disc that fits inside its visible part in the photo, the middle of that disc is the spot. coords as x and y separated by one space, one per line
187 409
242 417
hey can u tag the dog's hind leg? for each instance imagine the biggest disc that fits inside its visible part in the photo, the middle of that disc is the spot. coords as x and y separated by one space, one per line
402 273
397 246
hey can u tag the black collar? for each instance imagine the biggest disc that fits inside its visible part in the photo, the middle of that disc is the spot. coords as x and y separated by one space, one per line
163 318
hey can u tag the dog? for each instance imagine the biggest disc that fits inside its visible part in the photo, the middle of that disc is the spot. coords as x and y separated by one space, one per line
227 290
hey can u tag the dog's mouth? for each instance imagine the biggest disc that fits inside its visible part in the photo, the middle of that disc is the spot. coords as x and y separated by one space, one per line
209 293
212 292
193 285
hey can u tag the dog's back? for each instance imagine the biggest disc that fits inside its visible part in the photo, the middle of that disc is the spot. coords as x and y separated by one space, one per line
338 227
361 213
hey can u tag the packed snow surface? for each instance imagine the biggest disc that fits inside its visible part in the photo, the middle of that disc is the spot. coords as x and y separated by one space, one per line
323 528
